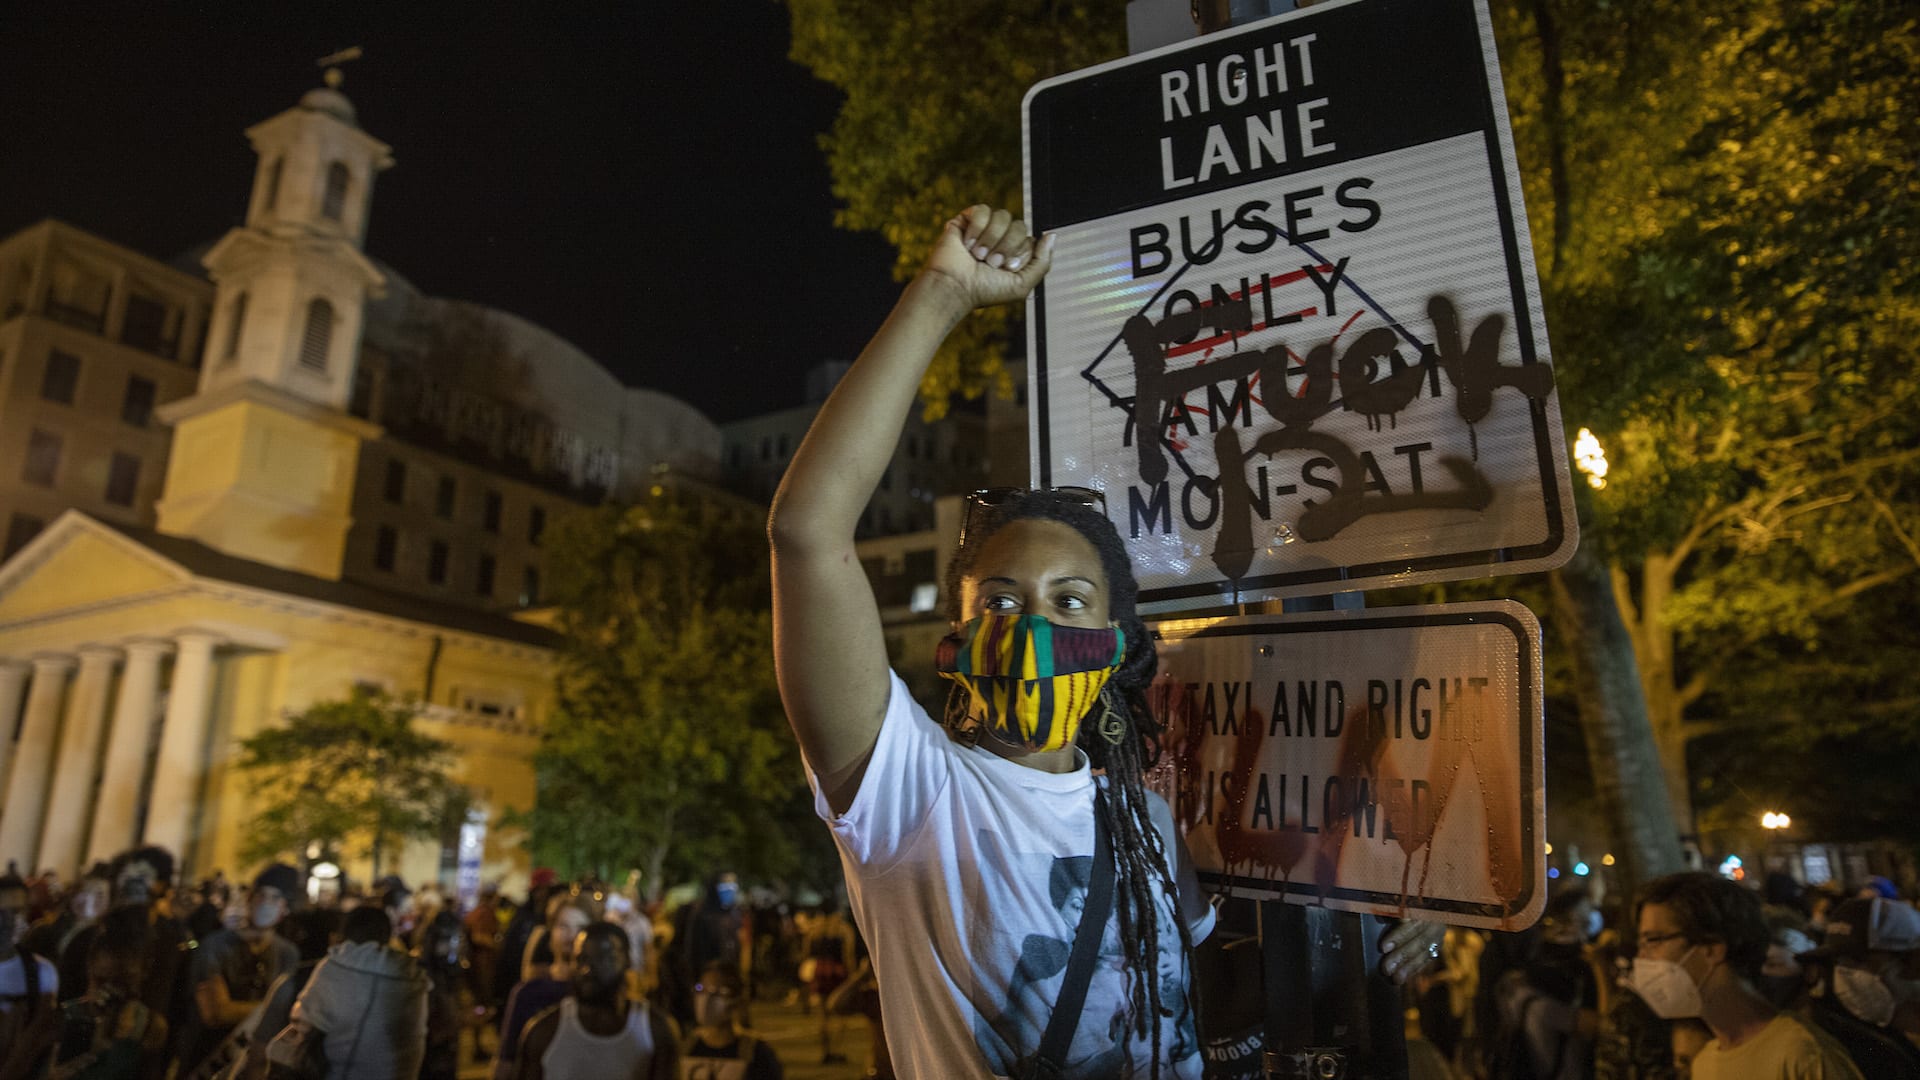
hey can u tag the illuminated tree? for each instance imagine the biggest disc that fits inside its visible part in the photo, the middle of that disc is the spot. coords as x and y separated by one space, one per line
931 124
668 750
352 774
1723 202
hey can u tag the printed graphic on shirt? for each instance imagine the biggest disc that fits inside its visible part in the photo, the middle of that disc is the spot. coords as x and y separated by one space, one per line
1008 1030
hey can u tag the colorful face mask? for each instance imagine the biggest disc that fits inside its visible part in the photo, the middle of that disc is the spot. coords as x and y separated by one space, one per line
1032 682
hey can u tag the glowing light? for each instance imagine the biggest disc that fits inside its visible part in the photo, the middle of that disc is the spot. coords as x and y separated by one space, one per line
1590 457
1549 849
1771 820
1582 869
1733 868
1606 860
1553 872
325 871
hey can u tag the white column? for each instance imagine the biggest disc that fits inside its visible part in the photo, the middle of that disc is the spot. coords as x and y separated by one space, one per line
183 743
13 680
117 812
32 760
77 764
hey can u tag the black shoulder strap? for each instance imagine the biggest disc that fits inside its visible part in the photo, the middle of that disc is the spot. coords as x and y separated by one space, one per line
30 972
1086 949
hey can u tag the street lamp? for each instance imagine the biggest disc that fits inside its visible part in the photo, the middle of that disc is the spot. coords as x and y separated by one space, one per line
1592 460
1771 820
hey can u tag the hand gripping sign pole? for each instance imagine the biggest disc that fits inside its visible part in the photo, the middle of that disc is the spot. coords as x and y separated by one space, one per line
1294 332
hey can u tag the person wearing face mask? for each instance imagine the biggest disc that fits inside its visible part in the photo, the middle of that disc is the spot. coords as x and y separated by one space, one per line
1702 941
706 931
29 1013
599 1033
67 937
1865 994
142 878
950 830
232 970
1783 977
720 1046
1549 1009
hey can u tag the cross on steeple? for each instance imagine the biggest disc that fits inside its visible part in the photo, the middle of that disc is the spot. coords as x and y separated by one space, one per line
333 76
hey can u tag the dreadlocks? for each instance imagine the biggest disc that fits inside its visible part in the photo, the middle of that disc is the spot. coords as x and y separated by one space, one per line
1142 870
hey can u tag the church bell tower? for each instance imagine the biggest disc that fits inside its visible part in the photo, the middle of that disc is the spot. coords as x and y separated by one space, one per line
264 454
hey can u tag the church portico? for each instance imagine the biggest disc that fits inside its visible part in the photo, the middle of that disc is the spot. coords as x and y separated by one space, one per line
131 709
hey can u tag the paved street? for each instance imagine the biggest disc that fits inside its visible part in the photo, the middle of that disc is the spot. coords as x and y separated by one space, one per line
795 1038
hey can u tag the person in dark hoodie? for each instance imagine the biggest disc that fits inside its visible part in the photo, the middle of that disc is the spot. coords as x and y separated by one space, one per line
68 937
705 932
1864 991
369 1001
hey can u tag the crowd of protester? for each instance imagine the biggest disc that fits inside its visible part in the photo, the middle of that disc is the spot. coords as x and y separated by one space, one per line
1696 977
124 974
121 974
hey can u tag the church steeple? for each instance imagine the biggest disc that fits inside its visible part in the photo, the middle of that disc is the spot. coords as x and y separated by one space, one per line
291 284
264 454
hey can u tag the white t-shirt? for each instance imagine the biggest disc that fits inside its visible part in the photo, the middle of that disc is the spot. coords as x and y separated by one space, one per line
13 987
967 873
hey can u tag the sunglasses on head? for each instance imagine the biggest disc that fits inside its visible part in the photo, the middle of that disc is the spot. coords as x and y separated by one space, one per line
985 506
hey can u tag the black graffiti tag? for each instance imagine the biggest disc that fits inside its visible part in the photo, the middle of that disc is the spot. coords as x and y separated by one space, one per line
1377 382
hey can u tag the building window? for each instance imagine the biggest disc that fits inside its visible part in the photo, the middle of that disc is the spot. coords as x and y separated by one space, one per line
236 319
483 576
536 524
62 377
386 547
123 479
43 458
318 339
437 563
145 326
273 183
490 513
396 489
333 204
530 587
136 408
21 529
443 498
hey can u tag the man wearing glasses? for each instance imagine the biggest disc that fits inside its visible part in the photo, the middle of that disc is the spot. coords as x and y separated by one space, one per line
1702 941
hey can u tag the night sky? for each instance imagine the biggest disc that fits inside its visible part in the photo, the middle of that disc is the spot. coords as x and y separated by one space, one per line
644 181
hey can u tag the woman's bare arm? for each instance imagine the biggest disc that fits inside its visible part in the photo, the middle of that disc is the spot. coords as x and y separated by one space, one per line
829 653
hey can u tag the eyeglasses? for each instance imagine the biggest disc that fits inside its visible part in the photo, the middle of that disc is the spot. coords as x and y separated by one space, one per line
725 992
1657 939
985 506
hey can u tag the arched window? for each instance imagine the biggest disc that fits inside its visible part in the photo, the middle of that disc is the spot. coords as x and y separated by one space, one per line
319 336
333 205
273 183
236 318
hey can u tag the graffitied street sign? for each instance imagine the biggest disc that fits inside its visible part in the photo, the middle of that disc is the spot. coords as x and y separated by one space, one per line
1385 761
1292 327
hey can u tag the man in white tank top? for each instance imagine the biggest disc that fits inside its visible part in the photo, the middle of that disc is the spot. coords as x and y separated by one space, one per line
597 1034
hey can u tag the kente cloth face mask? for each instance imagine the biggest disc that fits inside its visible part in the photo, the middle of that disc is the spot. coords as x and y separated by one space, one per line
1031 681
